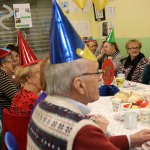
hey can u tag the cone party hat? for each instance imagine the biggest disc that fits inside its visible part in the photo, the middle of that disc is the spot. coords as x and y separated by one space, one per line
65 43
4 53
27 57
111 37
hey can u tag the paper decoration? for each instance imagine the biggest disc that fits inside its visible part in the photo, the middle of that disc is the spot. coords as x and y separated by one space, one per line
108 69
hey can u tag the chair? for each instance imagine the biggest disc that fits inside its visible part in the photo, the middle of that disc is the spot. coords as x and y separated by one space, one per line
10 141
17 125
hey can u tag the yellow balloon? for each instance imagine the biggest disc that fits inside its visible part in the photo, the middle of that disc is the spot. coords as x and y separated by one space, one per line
100 4
80 3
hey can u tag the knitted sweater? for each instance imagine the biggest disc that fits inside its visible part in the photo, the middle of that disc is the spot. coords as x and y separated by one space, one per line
55 124
8 88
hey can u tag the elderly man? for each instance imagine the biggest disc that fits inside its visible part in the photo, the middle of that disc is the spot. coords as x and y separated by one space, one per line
60 121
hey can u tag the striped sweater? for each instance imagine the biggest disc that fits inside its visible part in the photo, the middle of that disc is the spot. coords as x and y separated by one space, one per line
8 88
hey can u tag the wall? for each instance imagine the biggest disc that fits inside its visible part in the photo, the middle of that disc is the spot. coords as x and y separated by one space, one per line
131 21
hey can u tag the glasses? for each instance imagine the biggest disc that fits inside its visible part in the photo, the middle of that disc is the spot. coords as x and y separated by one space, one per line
99 72
136 48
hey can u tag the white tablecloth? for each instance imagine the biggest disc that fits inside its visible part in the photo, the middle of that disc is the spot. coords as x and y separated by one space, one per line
103 106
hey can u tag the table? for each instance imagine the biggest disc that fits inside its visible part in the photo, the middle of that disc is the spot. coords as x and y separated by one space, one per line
103 106
139 88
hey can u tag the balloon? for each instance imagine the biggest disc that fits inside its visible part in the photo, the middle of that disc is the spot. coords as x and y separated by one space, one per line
80 3
100 4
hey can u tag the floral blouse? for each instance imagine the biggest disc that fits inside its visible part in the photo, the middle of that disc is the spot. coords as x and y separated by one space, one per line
23 102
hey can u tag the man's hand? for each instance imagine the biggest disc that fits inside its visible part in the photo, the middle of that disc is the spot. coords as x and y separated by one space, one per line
102 122
140 137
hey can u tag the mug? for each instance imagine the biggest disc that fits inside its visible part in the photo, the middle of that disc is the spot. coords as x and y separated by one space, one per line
130 120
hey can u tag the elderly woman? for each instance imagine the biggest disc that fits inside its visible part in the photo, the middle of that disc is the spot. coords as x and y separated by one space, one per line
8 88
29 77
92 45
133 65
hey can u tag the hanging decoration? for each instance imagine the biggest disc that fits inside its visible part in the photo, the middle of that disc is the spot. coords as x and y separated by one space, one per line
100 4
80 3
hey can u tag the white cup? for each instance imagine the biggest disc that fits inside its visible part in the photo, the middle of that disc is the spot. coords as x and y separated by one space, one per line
130 120
116 104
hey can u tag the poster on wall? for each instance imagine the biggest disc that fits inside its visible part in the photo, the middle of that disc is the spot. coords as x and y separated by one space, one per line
99 15
110 11
69 6
82 27
104 29
22 15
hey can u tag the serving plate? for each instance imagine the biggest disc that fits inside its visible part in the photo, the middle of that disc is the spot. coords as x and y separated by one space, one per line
135 106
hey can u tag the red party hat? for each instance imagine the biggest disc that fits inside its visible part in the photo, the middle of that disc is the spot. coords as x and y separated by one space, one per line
27 57
4 53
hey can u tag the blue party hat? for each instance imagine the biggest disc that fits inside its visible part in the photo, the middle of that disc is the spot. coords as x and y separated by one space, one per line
65 43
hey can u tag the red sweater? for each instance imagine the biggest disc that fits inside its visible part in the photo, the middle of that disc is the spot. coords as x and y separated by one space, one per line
95 139
23 102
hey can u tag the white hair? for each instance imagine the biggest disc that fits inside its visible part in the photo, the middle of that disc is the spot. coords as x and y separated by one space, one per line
59 77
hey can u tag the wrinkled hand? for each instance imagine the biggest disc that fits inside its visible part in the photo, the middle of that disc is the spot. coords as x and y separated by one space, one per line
140 137
102 122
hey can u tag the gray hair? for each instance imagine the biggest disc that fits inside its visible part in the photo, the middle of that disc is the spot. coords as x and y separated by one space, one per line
4 59
59 77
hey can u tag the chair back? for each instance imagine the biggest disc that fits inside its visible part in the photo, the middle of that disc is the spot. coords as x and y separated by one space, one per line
10 141
17 125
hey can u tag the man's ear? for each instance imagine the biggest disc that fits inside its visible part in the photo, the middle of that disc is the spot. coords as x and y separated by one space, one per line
79 85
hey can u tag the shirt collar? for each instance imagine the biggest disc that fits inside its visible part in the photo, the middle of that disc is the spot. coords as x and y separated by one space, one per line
83 108
114 54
